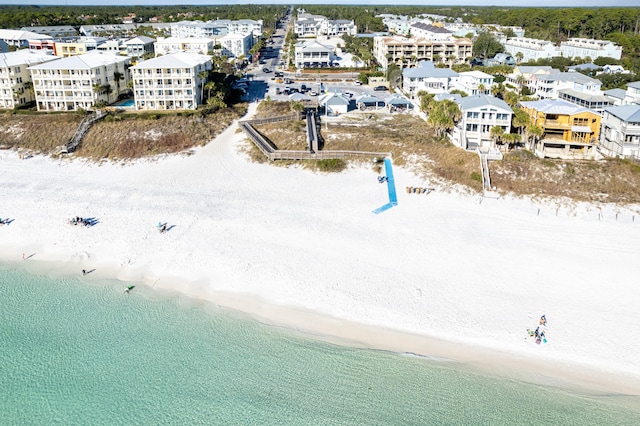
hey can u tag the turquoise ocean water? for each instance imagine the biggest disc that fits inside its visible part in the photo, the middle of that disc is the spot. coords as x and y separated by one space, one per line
80 352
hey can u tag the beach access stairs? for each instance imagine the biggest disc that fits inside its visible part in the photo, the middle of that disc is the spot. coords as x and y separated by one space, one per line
485 155
271 151
82 130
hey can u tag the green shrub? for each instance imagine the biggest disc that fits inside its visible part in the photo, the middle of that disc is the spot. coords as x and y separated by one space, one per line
476 176
331 165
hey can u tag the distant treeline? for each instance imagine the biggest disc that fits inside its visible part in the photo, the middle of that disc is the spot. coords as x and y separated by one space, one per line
14 17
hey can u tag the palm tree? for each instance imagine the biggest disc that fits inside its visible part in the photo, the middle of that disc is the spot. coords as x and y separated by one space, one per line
519 56
443 116
97 88
202 75
496 133
482 89
521 80
451 58
117 76
210 85
107 90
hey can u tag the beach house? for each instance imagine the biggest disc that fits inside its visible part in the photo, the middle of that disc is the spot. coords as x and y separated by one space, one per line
620 132
474 82
311 54
425 76
170 82
479 114
632 94
570 131
80 81
167 45
140 47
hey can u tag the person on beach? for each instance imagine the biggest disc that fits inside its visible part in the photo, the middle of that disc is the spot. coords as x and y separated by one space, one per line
84 272
163 229
543 320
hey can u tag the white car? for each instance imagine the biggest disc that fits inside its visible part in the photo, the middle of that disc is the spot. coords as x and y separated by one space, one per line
313 93
357 83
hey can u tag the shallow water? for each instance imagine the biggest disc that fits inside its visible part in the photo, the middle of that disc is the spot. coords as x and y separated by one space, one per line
77 351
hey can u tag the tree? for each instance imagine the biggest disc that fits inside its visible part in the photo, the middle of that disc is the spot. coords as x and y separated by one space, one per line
519 56
511 98
202 75
520 119
117 76
487 45
521 80
496 133
443 116
482 89
426 100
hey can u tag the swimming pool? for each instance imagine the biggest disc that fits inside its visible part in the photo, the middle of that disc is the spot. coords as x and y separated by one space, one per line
127 103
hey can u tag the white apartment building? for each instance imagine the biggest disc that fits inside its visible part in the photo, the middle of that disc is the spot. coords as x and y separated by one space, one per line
426 77
170 82
217 28
396 24
15 78
407 52
584 47
164 46
236 44
632 94
532 49
308 25
20 39
474 83
79 81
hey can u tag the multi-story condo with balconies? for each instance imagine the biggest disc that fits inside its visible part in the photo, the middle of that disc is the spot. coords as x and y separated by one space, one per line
172 81
308 25
585 47
217 28
632 94
236 44
531 49
15 79
407 52
79 81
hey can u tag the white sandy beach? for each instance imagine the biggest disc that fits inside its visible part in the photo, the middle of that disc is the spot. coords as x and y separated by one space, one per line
305 250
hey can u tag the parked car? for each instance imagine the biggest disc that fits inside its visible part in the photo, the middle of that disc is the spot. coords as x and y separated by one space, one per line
380 88
313 93
477 62
303 88
278 74
266 70
357 83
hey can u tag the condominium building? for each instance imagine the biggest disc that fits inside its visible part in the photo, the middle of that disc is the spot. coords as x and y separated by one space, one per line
15 78
169 82
190 44
236 44
80 81
584 47
531 49
407 52
20 39
308 25
217 28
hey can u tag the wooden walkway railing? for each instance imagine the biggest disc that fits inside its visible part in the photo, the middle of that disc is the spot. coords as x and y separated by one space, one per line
273 153
84 127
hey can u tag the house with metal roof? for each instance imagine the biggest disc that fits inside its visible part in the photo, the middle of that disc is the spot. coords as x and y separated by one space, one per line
15 78
479 114
620 132
430 32
79 81
616 96
201 46
570 131
334 103
474 82
398 103
139 47
546 86
170 82
594 101
632 95
367 100
426 77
